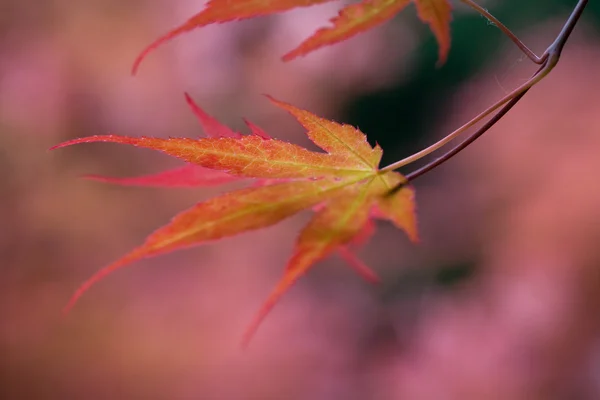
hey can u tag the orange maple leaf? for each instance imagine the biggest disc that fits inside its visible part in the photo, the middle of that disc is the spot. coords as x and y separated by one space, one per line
342 184
351 20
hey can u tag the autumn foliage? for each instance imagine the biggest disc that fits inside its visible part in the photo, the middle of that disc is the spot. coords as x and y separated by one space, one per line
342 184
352 19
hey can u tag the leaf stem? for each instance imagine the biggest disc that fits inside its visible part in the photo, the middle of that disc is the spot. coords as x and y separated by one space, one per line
550 59
451 136
529 53
474 136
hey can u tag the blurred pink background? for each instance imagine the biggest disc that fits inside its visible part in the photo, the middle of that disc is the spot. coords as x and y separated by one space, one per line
523 203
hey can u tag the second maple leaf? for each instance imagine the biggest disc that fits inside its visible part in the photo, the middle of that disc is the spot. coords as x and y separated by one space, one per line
352 19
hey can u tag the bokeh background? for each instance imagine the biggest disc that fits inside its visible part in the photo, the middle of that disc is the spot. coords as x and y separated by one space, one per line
501 300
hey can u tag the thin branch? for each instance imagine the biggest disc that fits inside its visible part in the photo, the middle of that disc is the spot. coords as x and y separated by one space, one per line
448 138
529 53
461 146
474 136
550 59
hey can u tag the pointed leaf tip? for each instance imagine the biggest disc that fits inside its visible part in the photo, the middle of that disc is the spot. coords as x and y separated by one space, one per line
87 139
157 43
438 14
256 130
98 276
212 127
282 287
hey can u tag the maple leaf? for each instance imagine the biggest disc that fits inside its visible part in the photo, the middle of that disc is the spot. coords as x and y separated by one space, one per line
343 185
351 20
